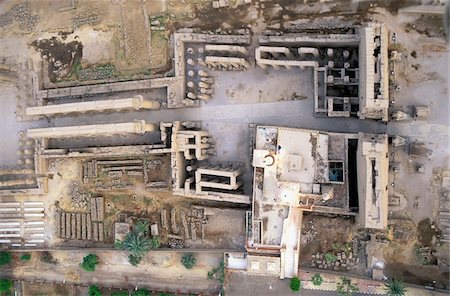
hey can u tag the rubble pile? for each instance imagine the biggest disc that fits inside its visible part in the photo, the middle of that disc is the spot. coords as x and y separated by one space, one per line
22 14
309 232
78 197
175 243
85 18
342 261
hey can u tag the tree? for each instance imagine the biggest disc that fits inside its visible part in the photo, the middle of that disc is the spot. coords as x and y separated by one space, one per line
94 291
295 284
89 262
395 287
136 244
188 260
5 285
25 257
141 292
317 279
345 287
5 258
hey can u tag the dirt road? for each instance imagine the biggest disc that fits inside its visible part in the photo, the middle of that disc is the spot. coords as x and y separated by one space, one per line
161 271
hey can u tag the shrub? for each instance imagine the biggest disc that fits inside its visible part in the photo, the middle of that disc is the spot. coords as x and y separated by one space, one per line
25 257
347 248
5 258
120 293
395 287
335 246
155 242
317 279
118 245
218 273
188 260
94 291
5 285
141 292
142 227
134 260
330 258
47 257
89 262
295 284
346 288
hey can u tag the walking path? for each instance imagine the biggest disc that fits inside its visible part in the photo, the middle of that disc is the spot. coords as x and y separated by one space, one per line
161 271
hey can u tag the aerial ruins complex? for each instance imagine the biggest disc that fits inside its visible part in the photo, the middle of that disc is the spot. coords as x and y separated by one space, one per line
294 170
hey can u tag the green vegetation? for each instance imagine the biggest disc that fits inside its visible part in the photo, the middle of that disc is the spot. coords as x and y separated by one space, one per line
94 291
346 288
137 243
218 273
155 242
423 254
76 67
137 246
96 73
188 260
5 258
89 262
347 248
134 260
330 258
335 246
5 285
141 292
47 257
295 284
147 200
395 287
25 257
161 18
120 293
118 244
317 279
142 227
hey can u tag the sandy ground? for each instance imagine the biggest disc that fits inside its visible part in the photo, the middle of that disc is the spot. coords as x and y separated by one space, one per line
158 270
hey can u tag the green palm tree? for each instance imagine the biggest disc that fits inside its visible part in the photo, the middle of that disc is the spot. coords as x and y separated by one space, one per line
395 287
136 244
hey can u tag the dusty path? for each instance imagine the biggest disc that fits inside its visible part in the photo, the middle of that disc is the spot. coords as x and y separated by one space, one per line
158 271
